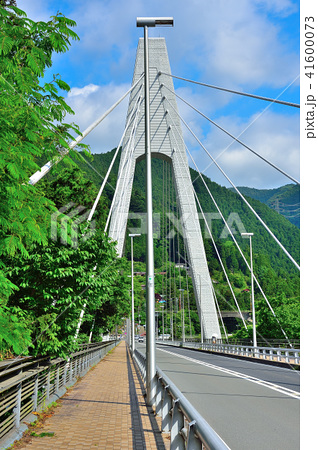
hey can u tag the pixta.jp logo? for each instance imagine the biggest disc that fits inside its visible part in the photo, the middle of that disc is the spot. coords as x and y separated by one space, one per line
69 228
181 225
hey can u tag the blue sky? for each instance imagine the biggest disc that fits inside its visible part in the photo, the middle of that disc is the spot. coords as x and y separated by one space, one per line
246 45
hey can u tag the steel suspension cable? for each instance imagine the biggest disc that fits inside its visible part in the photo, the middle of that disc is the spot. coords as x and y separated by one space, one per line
129 156
235 138
238 247
213 290
243 198
193 270
111 164
117 189
120 218
236 243
48 166
258 97
217 252
219 257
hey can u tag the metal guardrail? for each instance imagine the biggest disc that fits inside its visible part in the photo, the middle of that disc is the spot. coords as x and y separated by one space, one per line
188 430
285 355
30 384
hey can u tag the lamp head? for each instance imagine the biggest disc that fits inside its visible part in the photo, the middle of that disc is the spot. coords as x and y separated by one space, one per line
154 21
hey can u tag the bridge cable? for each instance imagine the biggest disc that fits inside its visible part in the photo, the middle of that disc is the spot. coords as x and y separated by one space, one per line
295 105
96 202
219 257
193 270
238 247
231 233
120 223
214 244
243 198
48 166
236 139
229 229
135 111
214 297
109 168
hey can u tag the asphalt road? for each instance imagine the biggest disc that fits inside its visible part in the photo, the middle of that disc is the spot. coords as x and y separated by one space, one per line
252 406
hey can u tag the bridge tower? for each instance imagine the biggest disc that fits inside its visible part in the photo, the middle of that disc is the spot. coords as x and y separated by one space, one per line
166 143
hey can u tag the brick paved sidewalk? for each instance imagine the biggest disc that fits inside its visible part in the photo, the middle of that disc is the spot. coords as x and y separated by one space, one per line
104 410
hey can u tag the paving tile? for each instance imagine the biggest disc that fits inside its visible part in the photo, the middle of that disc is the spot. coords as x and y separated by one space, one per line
105 410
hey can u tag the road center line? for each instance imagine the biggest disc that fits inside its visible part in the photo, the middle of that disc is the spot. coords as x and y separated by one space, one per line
264 383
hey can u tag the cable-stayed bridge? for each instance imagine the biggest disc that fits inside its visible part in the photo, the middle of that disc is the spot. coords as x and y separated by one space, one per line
167 143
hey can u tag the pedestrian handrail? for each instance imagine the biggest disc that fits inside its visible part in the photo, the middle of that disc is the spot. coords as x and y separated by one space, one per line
29 385
286 355
188 430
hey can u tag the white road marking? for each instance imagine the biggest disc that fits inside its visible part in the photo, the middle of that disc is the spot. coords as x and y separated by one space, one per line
264 383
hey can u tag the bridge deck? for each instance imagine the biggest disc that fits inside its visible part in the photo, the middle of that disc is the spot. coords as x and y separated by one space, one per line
104 410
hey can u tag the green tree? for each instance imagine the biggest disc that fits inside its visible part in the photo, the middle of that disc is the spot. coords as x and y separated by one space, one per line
58 280
77 267
287 311
31 124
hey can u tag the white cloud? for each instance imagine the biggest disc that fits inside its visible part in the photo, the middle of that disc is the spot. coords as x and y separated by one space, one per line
91 102
235 44
274 136
284 7
85 91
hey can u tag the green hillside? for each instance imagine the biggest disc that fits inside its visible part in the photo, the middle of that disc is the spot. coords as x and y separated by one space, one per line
277 275
285 200
231 206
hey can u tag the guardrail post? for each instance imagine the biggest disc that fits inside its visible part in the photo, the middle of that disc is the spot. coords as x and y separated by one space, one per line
65 372
296 358
17 408
166 407
193 442
57 377
76 366
71 369
48 383
177 424
158 402
35 392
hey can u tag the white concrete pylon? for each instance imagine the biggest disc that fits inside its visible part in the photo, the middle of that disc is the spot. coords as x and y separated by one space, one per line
166 143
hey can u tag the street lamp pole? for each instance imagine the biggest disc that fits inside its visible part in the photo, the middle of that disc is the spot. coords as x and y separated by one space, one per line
146 22
163 321
201 316
132 293
252 288
171 318
183 335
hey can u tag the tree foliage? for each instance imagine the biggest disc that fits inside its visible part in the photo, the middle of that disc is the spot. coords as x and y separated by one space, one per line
45 280
58 280
76 270
31 123
274 271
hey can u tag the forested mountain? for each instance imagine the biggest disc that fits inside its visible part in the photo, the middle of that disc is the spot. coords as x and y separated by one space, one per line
55 265
285 200
231 206
277 275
